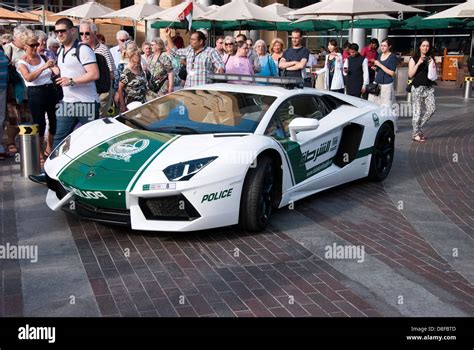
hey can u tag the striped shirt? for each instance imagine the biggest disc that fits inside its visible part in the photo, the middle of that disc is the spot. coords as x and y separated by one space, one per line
3 70
199 65
104 51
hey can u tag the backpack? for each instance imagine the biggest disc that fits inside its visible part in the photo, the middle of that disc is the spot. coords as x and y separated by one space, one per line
103 84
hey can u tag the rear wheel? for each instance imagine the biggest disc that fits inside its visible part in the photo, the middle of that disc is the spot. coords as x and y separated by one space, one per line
258 196
382 156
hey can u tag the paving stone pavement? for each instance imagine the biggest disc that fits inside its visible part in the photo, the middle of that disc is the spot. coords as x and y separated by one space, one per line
415 229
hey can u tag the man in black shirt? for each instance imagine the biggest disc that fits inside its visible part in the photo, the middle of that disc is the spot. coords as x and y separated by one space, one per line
293 62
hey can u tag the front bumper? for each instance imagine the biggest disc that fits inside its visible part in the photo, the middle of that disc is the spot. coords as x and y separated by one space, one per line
161 212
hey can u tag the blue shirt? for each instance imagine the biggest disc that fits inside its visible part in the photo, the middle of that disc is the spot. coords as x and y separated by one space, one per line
3 70
391 63
268 67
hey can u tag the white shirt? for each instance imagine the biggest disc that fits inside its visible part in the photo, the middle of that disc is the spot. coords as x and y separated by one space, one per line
116 55
337 79
72 67
43 79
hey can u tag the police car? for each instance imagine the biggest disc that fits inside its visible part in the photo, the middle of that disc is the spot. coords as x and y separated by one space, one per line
217 155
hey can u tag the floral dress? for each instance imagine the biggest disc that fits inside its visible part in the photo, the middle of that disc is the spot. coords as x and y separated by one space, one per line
135 86
159 69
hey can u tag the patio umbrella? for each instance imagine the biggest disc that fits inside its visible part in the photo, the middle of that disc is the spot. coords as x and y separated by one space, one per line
242 12
12 16
89 10
48 18
171 14
135 13
340 22
354 8
278 9
419 23
464 10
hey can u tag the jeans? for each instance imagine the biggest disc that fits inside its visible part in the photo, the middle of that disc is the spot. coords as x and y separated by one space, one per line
68 115
43 100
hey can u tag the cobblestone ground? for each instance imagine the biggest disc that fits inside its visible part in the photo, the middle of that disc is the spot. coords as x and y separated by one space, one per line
416 229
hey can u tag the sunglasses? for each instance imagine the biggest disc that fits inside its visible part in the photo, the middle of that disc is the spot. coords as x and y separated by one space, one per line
123 40
33 45
60 31
229 44
84 33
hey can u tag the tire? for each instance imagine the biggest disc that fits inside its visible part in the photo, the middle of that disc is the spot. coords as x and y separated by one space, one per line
258 196
382 156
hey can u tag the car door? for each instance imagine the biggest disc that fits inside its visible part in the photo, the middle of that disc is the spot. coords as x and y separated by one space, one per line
314 150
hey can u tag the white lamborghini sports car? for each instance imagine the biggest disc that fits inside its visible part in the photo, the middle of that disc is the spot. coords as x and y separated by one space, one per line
217 155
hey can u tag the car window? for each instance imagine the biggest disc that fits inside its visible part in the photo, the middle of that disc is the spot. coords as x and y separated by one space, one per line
305 106
203 111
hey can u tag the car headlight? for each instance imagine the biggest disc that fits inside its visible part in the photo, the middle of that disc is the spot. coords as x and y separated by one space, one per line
62 148
186 170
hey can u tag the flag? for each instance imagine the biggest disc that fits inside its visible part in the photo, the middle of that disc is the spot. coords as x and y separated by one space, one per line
186 17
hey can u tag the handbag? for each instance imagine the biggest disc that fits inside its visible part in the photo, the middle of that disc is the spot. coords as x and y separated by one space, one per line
155 83
58 88
182 73
373 89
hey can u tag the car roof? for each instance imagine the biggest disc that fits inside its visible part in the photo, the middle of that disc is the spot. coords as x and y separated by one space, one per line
281 92
266 90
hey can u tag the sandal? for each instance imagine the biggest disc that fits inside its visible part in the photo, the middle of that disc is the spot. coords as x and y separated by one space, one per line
418 138
12 148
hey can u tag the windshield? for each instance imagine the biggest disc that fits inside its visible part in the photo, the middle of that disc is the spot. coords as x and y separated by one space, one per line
202 111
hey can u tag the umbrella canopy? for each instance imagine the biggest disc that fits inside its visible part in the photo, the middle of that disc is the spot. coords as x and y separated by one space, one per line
50 18
419 22
240 10
118 22
354 8
171 14
178 25
14 16
278 9
89 10
135 12
464 10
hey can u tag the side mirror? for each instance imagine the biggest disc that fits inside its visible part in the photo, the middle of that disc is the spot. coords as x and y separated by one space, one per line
302 124
133 105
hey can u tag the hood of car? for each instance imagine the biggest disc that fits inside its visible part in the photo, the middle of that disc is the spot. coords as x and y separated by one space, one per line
107 169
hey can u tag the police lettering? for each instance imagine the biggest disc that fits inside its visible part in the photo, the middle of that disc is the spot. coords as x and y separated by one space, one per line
217 195
88 194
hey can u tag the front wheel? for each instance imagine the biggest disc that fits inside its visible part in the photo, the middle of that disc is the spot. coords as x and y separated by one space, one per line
258 196
382 155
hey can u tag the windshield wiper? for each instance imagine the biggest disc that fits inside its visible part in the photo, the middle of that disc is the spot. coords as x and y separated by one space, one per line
178 128
132 121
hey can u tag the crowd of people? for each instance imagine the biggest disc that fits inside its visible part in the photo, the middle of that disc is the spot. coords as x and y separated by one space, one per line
50 76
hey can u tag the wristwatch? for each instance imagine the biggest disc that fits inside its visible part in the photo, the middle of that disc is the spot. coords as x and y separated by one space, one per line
71 82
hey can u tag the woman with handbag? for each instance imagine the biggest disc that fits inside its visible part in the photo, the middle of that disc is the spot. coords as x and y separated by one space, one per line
161 80
422 71
133 81
37 73
385 66
333 80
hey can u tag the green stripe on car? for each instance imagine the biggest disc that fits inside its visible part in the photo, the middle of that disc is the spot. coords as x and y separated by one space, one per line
100 176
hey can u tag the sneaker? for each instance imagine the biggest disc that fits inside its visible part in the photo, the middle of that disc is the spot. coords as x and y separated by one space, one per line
39 178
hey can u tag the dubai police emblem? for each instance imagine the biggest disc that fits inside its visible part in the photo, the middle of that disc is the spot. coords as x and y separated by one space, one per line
125 149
